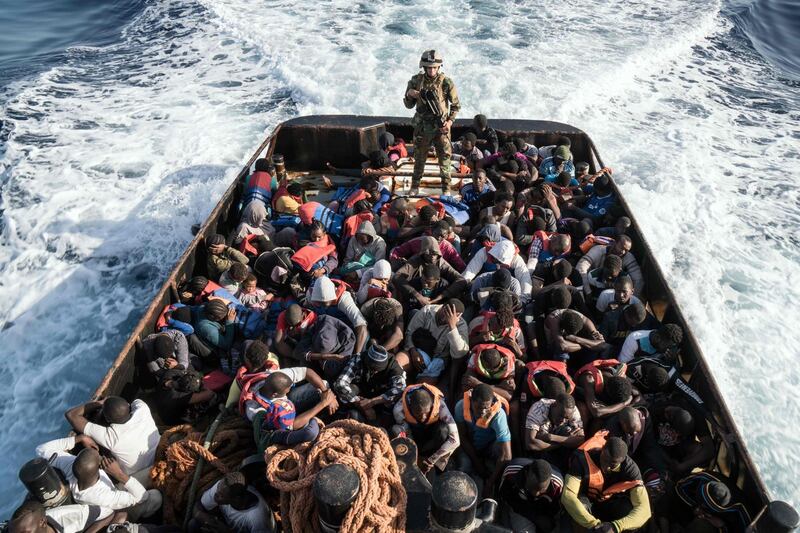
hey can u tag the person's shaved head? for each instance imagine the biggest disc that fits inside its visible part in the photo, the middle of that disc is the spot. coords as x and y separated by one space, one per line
86 465
276 384
116 410
28 518
630 421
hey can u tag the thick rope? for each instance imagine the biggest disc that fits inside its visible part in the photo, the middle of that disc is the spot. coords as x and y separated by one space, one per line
177 458
379 507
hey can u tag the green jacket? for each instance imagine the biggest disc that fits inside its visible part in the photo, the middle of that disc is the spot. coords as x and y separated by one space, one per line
445 91
217 264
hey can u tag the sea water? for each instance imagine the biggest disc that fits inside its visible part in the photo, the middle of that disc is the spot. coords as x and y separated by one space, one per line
123 122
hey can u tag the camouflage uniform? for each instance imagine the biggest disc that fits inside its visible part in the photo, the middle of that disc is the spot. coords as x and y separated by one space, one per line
426 125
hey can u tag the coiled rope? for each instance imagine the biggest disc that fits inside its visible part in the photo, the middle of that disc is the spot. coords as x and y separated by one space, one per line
379 507
179 452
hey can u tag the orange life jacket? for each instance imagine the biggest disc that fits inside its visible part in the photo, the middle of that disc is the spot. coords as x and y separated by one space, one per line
545 238
595 369
512 332
356 196
310 254
246 245
439 206
162 318
437 401
207 291
475 361
483 422
592 240
398 148
352 223
595 486
557 367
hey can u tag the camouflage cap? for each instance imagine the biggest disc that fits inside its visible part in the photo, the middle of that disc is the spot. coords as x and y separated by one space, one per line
430 58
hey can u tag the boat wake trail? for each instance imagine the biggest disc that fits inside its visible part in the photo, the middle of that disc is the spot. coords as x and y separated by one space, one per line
110 157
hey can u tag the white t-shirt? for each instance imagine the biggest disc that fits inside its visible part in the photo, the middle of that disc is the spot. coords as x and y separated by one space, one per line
74 518
257 519
133 443
606 298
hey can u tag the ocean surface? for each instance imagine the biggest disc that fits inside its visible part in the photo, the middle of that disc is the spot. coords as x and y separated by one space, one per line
124 121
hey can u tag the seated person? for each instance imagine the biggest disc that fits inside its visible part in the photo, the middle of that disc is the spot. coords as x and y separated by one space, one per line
550 303
619 228
231 505
682 432
501 212
482 420
502 255
604 389
560 161
371 383
293 325
200 289
528 150
375 282
635 426
547 150
491 364
265 402
231 279
465 151
164 350
221 256
33 517
128 431
396 216
329 297
536 210
478 191
385 322
329 344
530 495
214 324
429 254
364 249
603 278
316 257
288 199
611 300
252 296
546 248
553 426
251 236
411 248
422 414
429 286
506 167
419 224
594 259
485 136
567 332
486 284
603 490
395 150
665 339
447 330
498 325
181 396
562 180
598 206
93 480
616 325
707 501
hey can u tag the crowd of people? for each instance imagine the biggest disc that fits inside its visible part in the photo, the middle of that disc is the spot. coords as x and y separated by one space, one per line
503 326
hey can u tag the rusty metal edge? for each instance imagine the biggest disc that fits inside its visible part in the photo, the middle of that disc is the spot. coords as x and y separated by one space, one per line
718 398
127 349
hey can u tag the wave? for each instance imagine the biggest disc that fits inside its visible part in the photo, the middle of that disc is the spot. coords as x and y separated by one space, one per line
773 27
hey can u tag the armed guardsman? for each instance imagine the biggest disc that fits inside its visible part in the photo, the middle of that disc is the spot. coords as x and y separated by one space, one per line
436 101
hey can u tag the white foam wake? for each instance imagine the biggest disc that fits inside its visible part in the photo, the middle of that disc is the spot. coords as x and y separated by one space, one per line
114 155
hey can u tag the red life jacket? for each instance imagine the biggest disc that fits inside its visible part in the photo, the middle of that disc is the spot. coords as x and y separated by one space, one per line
398 148
377 292
308 320
246 245
557 367
439 206
595 369
352 223
356 196
513 332
499 403
437 401
162 318
246 384
207 291
592 240
477 366
310 254
595 483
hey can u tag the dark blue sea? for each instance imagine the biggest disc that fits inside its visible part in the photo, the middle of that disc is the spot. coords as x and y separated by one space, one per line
122 122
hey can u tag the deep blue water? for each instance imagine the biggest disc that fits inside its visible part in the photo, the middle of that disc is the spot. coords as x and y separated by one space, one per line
119 120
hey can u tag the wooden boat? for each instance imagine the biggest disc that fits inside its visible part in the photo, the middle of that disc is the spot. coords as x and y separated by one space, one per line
308 143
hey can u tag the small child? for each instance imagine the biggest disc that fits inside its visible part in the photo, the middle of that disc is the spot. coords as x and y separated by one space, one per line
251 296
232 278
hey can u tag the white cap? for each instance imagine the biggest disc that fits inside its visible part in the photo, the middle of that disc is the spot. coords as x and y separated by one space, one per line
324 290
